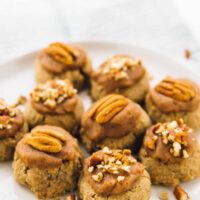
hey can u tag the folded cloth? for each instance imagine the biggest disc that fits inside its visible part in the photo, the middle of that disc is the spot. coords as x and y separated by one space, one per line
151 23
154 24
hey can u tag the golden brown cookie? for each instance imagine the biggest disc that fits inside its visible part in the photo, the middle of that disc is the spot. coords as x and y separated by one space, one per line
113 121
171 153
47 161
120 74
55 103
172 99
63 61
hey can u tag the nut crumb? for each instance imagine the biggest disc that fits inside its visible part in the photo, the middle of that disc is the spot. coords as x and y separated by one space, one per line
71 197
174 134
91 169
113 162
187 54
120 178
180 194
164 195
21 101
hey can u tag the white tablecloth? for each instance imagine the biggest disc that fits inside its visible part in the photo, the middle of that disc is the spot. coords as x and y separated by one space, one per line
30 24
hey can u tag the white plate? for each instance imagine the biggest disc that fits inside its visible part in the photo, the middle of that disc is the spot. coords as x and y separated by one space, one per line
17 78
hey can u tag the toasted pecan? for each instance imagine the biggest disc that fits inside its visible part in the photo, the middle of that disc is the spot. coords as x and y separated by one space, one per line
106 108
177 89
44 143
180 194
46 139
62 53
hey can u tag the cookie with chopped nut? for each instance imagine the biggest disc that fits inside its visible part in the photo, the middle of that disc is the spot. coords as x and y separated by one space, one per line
55 103
172 99
63 61
115 175
47 161
171 153
12 128
120 74
113 121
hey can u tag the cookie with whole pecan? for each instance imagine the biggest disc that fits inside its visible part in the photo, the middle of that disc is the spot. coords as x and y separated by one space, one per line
113 121
171 153
63 61
114 174
12 128
120 74
172 99
55 103
47 161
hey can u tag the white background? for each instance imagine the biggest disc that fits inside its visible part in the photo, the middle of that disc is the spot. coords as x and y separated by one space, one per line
26 25
190 11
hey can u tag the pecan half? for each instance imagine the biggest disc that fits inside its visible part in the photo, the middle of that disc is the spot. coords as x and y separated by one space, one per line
106 108
44 143
62 53
46 139
53 133
177 89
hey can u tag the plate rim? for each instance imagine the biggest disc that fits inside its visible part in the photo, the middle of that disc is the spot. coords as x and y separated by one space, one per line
141 48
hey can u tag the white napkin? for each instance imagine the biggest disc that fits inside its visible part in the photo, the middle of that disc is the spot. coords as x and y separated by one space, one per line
155 24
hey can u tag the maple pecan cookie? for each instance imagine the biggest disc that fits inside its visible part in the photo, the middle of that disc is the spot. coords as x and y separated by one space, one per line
47 161
113 121
172 99
12 128
55 103
171 153
61 61
115 175
120 74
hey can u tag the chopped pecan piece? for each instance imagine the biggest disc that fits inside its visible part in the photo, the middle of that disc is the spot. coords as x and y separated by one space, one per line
71 197
95 160
180 194
62 53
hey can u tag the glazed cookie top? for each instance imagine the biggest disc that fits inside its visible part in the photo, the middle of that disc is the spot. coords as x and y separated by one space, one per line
47 146
173 95
59 57
112 116
11 120
170 142
119 72
55 96
112 172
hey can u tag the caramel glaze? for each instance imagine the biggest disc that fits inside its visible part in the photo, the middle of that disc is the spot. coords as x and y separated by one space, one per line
109 185
167 104
120 125
35 158
67 106
162 151
15 122
55 67
110 84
